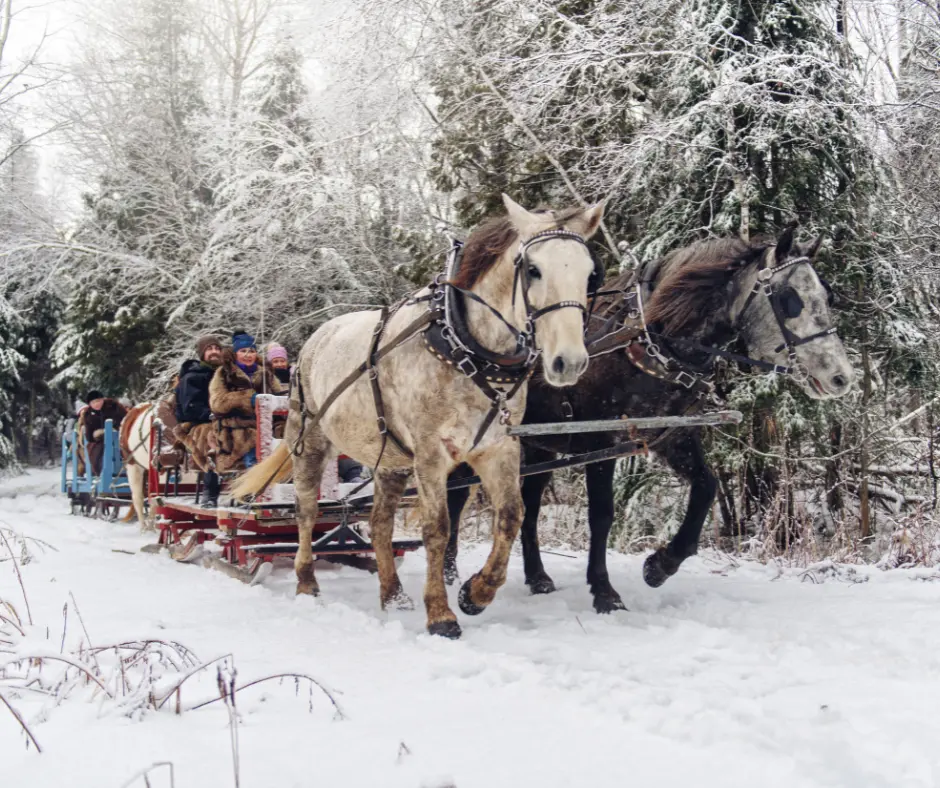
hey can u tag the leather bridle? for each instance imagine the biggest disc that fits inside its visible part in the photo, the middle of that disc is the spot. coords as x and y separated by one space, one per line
764 284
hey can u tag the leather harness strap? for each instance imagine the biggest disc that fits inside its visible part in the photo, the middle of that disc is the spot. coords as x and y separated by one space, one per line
384 430
374 357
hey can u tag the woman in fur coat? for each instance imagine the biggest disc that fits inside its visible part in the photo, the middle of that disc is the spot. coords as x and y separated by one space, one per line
232 391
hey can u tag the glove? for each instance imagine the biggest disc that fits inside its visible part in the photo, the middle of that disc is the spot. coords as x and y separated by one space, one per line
97 435
253 398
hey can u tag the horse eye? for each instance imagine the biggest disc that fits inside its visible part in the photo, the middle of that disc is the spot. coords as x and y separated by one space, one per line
830 296
534 272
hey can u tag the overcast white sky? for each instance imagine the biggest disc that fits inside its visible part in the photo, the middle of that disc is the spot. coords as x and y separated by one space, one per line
57 25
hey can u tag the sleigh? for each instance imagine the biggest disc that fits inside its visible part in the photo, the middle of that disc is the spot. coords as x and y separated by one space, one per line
94 495
250 537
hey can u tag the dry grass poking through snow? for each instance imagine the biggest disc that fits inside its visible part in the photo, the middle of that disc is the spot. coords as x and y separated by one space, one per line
55 661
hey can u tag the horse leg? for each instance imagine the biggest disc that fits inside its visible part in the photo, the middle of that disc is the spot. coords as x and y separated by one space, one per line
498 468
686 458
431 476
536 578
136 477
600 490
389 486
456 501
308 470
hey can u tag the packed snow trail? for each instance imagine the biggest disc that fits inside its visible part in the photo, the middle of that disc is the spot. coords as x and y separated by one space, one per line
727 676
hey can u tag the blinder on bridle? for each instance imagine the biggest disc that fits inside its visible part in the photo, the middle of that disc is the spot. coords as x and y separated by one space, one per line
787 304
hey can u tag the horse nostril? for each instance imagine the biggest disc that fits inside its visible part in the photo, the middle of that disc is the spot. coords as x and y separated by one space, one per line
558 365
839 382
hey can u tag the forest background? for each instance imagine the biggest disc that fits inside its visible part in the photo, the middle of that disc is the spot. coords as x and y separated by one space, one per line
174 167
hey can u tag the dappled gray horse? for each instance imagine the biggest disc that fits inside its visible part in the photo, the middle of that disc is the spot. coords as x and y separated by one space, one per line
523 285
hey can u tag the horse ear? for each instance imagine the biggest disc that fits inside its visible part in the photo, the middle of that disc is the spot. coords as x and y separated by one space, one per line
520 218
785 242
813 249
587 222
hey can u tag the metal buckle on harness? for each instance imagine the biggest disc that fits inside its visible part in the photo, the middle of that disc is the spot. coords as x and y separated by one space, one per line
683 374
373 373
448 336
469 362
504 414
382 423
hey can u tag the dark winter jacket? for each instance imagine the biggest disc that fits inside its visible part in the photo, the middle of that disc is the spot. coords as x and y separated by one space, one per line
94 419
192 392
283 375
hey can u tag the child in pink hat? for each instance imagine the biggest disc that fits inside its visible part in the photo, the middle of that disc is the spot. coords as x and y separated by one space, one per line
278 361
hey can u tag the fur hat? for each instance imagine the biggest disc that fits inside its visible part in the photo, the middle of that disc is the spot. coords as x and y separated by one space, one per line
93 395
204 343
242 341
276 351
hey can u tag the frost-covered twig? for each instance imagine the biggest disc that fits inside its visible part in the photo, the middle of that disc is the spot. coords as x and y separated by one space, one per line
179 683
19 576
296 676
145 772
21 721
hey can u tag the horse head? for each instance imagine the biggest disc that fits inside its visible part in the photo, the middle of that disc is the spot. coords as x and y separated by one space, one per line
554 273
782 311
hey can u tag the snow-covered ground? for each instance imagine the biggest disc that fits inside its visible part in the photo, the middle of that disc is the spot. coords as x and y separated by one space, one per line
727 676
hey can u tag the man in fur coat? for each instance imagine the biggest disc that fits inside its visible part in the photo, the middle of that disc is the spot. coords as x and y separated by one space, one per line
236 383
100 409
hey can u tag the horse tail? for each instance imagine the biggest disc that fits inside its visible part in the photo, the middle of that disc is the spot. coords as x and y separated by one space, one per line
275 469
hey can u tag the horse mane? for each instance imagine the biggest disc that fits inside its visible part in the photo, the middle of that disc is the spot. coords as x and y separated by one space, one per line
490 240
692 289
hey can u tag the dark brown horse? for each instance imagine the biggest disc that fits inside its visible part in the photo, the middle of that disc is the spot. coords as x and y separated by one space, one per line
695 301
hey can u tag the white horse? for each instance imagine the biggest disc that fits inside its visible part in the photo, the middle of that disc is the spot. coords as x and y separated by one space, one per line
520 291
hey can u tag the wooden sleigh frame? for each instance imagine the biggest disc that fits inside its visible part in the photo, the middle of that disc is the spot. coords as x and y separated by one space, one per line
252 536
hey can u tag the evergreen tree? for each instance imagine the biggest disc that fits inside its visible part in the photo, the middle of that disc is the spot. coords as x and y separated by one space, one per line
695 119
149 214
12 363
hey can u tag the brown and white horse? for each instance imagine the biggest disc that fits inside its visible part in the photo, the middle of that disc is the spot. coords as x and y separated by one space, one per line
528 267
135 449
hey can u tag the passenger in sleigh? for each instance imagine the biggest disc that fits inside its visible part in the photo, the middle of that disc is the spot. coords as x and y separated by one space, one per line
279 363
93 418
236 383
195 428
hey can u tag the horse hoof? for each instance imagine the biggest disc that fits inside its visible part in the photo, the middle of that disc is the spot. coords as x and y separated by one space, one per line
451 575
445 629
400 601
541 584
307 589
608 603
467 605
658 568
